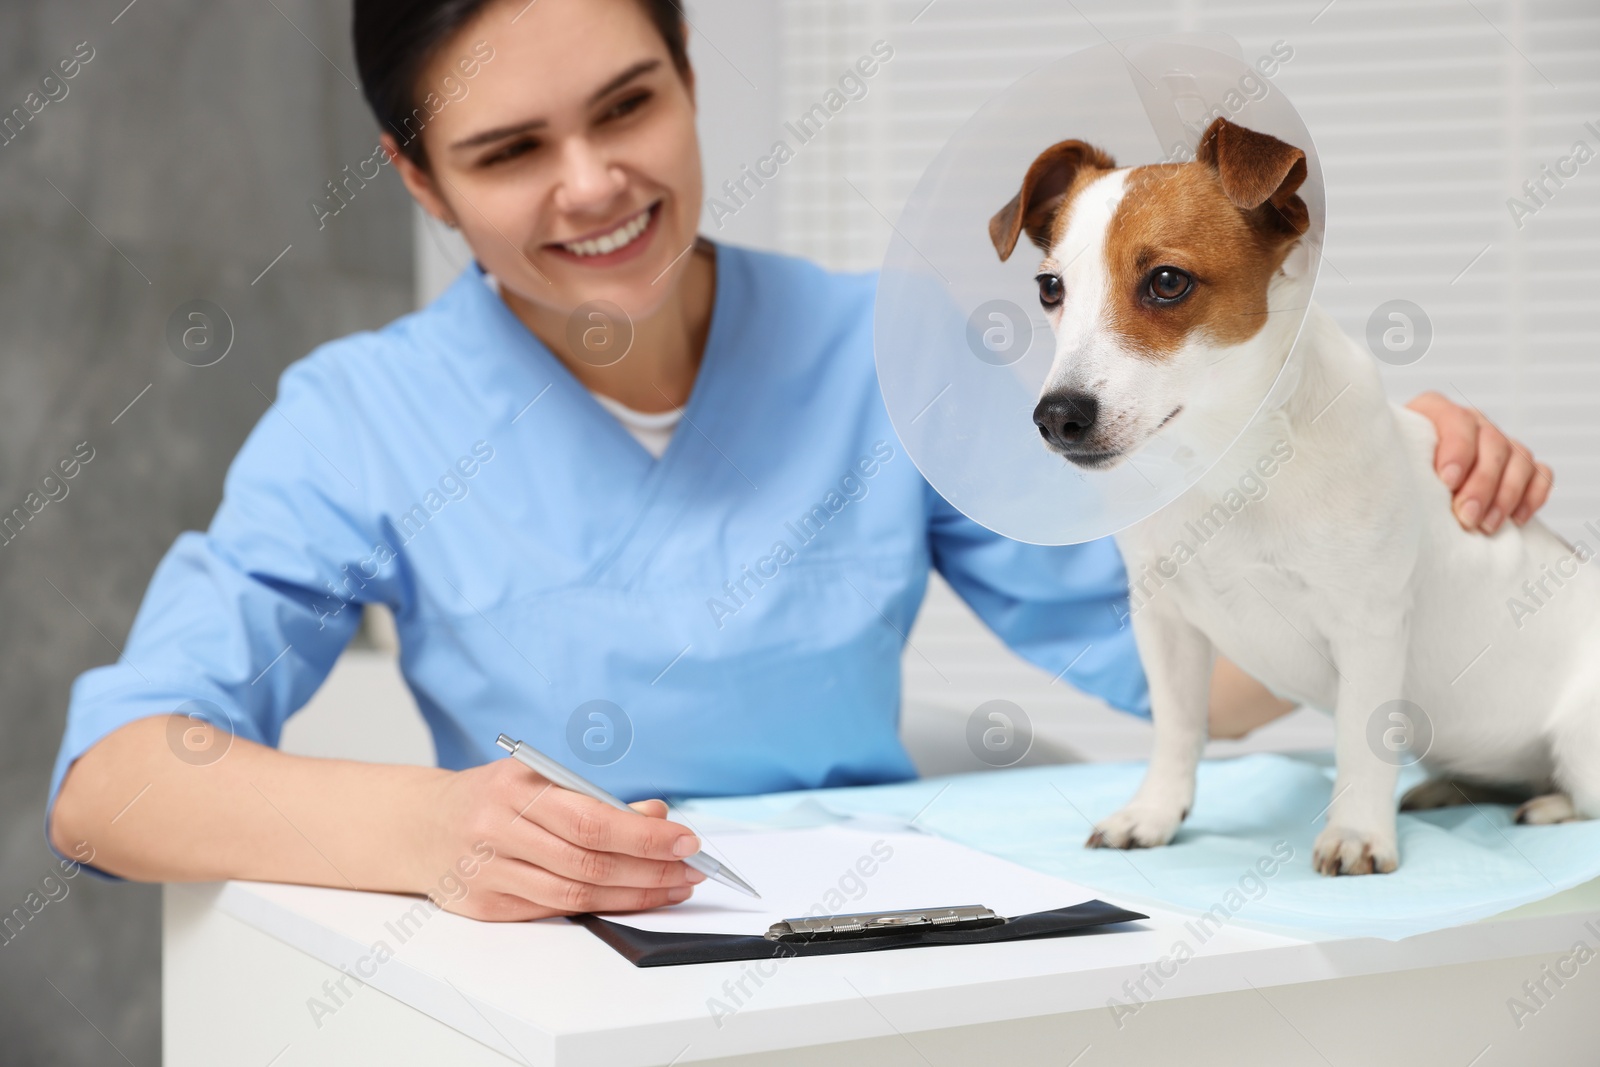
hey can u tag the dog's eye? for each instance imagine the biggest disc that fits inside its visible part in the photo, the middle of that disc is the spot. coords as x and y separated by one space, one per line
1051 291
1169 284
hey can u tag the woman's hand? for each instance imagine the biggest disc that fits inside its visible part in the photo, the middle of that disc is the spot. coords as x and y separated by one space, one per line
554 852
1490 475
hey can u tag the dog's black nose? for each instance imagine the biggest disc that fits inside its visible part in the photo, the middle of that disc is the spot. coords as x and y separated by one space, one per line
1065 418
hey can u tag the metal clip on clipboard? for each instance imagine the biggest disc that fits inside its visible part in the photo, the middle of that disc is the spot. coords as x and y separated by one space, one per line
875 923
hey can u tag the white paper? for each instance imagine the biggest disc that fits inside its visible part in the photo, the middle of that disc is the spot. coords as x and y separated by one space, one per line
829 870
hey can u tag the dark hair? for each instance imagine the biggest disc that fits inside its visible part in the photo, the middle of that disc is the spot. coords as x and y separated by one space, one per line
396 39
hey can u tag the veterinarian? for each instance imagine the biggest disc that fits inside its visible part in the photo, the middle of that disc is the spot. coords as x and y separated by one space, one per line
704 555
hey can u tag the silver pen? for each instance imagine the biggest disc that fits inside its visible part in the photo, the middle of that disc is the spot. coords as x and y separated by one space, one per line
559 775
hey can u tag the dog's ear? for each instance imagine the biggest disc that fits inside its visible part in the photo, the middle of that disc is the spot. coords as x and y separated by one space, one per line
1044 188
1257 171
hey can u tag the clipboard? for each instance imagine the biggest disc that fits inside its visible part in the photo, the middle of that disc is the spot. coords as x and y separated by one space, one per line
829 935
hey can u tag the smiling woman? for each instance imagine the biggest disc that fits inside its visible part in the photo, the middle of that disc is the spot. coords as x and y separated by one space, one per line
578 569
581 185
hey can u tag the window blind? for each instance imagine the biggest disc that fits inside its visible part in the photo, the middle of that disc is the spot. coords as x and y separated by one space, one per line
1430 117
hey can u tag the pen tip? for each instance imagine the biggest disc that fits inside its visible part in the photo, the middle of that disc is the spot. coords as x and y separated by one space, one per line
506 743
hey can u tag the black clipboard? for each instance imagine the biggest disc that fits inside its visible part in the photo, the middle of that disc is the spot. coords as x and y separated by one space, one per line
649 948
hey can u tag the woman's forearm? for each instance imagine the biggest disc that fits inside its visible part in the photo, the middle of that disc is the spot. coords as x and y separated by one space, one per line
150 814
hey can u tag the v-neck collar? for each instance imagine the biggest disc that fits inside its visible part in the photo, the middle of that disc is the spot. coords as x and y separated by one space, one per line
560 376
649 494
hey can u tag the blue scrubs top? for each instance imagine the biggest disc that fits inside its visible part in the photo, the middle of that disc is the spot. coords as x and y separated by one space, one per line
743 601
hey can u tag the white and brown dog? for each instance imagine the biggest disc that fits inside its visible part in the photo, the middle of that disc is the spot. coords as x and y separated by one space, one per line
1349 586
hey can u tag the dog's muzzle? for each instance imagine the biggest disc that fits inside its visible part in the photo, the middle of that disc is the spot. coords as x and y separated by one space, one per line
1065 420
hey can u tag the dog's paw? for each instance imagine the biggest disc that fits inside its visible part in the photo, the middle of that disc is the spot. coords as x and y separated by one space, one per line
1137 826
1342 850
1548 809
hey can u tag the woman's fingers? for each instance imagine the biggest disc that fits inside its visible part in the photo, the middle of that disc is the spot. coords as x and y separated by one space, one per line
1514 485
492 905
655 809
556 852
536 845
1474 499
598 827
1538 492
1456 429
567 896
1491 477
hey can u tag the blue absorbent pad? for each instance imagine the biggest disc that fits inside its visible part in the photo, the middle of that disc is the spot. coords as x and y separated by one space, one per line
1457 865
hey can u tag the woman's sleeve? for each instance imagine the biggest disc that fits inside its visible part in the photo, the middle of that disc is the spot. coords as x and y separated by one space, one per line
1063 608
241 624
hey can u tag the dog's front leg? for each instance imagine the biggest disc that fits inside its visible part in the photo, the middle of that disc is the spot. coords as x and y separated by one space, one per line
1359 837
1177 662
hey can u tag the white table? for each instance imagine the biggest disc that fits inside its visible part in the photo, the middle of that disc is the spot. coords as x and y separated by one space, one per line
242 962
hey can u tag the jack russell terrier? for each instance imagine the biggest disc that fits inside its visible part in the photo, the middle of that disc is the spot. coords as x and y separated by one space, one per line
1349 586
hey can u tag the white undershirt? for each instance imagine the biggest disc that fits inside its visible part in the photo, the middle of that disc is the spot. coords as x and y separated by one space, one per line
652 429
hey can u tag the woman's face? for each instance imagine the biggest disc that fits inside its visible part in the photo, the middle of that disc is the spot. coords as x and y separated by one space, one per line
571 163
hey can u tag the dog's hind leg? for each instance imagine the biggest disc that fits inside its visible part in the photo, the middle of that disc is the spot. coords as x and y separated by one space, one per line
1547 809
1452 792
1573 734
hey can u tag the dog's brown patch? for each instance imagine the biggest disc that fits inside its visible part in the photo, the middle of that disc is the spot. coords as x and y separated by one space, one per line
1177 215
1054 178
1228 219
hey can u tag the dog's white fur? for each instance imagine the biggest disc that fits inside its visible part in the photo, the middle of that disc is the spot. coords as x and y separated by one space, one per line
1346 586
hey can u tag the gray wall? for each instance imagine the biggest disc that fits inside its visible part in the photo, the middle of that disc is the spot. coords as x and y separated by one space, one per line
188 147
183 158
